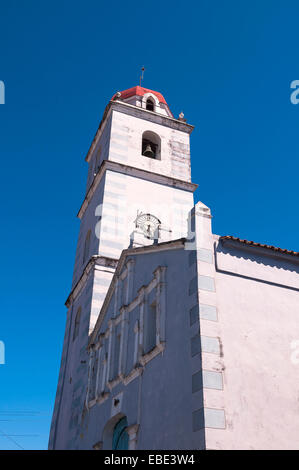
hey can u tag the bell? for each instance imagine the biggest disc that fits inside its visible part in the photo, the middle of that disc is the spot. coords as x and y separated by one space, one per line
148 152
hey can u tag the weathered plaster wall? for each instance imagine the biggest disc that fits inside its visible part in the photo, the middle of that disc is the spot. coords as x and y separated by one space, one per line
100 152
125 195
72 379
225 379
126 145
88 222
160 400
258 307
248 305
115 196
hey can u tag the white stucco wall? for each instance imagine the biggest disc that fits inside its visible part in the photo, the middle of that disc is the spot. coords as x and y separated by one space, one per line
258 322
126 141
248 309
125 195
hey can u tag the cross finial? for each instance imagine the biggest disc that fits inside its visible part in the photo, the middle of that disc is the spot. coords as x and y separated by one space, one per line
141 76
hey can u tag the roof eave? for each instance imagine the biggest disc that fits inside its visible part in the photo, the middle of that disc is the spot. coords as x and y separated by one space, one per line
251 244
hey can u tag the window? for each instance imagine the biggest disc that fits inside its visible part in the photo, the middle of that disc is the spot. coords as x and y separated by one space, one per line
77 323
150 106
124 286
120 440
150 328
93 376
116 356
86 246
104 372
151 144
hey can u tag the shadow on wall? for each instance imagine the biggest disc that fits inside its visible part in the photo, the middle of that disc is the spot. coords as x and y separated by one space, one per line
248 253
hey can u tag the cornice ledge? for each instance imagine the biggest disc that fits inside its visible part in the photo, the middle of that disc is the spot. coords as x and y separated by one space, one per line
145 114
96 260
131 170
98 133
151 116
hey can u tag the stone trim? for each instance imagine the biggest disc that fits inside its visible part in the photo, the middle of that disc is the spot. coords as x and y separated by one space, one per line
132 375
210 345
208 418
120 317
94 261
208 312
132 431
98 445
205 346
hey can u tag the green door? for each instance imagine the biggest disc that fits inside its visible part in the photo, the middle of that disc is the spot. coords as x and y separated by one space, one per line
120 439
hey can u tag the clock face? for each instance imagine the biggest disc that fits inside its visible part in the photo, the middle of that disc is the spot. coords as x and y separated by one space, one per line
148 224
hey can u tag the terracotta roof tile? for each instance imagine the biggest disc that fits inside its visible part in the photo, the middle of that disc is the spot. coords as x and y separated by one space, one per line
260 245
140 91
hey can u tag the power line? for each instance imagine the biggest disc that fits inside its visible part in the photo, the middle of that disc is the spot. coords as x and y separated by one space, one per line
12 440
26 413
16 415
22 435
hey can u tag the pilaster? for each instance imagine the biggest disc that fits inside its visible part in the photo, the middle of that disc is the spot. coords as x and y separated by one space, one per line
205 342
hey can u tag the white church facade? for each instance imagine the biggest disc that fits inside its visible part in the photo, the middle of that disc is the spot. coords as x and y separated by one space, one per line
175 338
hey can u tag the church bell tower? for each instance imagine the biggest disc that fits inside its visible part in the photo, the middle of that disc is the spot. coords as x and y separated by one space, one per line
138 192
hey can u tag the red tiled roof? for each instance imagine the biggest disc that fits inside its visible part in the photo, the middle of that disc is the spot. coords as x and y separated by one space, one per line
260 245
140 91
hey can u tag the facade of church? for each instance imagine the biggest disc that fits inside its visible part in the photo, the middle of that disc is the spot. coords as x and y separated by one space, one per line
175 338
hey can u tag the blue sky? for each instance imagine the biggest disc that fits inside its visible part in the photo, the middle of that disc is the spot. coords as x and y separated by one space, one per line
227 65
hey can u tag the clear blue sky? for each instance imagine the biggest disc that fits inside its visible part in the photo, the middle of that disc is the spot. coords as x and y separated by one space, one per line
227 65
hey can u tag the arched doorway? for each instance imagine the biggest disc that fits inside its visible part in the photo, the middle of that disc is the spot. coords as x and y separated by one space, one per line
120 440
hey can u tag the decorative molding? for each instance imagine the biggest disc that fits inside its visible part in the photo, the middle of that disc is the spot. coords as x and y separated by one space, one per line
135 172
103 397
96 260
170 245
138 370
122 318
144 114
145 358
150 95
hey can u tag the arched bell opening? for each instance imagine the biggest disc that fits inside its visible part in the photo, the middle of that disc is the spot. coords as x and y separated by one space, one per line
151 145
150 105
